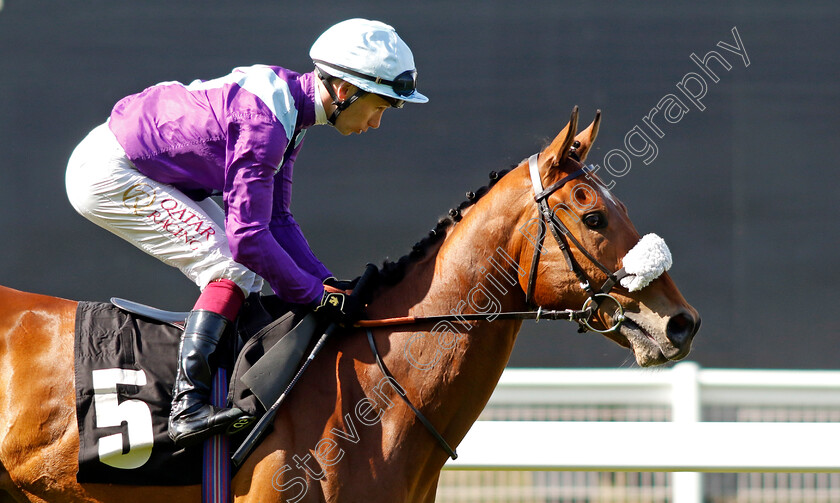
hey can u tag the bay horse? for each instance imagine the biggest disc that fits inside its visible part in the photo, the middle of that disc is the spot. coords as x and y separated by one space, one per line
343 436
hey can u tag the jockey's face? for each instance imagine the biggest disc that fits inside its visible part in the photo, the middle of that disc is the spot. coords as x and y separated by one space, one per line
364 113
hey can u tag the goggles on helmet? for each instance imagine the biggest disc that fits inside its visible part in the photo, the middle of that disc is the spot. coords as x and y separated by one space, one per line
403 84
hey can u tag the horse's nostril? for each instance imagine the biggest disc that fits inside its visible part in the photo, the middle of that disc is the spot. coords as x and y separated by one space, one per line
680 329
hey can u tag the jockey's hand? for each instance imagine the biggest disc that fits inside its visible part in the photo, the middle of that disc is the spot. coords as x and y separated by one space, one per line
338 306
343 285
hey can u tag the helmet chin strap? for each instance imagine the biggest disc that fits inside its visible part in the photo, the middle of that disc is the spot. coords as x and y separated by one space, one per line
340 105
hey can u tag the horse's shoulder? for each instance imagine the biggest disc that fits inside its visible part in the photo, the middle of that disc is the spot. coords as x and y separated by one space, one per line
16 302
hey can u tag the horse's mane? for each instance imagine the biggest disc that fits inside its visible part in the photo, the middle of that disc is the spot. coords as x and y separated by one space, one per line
392 273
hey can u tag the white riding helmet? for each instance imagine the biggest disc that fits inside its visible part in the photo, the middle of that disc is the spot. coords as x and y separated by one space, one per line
371 56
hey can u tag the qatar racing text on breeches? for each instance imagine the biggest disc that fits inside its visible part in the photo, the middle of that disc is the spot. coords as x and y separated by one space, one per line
105 187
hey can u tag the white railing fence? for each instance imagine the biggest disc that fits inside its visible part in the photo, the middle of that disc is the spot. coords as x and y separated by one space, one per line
683 419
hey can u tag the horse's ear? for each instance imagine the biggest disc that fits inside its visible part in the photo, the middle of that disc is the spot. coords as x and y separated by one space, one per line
587 137
558 151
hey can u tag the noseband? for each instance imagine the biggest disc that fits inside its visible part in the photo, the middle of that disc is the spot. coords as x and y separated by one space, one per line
562 235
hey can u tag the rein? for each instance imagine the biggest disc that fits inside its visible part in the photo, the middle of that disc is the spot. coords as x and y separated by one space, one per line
539 314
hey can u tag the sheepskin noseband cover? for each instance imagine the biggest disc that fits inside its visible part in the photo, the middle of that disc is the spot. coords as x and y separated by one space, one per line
645 262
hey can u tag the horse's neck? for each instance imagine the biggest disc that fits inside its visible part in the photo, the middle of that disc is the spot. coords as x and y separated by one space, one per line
454 366
474 269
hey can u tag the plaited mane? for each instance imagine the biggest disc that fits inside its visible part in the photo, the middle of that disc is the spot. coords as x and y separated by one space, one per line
392 273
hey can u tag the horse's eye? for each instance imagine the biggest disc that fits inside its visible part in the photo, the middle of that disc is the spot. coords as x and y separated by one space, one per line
595 220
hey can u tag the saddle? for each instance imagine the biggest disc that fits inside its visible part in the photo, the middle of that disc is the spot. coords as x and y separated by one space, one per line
126 356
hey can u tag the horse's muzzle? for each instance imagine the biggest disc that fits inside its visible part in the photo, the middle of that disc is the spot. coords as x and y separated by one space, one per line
680 331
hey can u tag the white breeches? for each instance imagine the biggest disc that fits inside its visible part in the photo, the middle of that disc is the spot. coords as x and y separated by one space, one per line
106 188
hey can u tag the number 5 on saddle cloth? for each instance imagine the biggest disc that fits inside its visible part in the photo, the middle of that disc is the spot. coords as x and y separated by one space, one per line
126 358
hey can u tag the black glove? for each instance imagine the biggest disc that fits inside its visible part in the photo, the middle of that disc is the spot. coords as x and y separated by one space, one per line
339 307
341 284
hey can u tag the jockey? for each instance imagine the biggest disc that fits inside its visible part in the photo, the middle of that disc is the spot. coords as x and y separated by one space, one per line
147 173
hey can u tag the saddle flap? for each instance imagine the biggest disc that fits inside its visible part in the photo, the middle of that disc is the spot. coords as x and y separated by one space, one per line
271 374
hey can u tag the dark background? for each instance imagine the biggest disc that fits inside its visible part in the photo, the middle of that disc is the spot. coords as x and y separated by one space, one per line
744 192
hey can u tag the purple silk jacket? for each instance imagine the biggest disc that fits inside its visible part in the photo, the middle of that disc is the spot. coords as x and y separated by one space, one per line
237 136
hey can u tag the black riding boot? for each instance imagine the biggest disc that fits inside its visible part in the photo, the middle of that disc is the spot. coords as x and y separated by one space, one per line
192 418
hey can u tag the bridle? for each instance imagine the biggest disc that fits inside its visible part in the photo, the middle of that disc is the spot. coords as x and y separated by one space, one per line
562 235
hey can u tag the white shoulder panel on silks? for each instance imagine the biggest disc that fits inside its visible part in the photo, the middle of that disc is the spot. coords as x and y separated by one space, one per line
262 82
645 262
